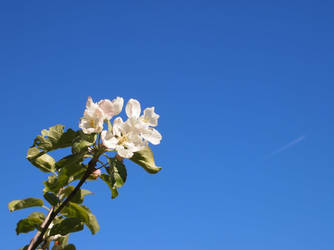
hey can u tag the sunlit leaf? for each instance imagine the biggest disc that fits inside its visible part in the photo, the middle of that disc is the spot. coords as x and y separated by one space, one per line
25 203
145 159
55 138
41 160
83 213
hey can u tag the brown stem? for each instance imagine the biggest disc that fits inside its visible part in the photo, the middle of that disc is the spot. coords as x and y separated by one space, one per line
37 239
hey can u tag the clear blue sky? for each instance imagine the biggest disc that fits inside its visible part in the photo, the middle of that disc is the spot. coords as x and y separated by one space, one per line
245 93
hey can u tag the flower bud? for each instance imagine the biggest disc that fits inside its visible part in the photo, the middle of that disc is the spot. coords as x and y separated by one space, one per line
95 174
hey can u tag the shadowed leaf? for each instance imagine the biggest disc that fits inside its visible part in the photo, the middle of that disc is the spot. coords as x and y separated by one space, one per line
108 180
66 226
51 198
32 222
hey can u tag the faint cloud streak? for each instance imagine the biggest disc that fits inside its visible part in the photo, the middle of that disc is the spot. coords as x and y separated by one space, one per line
287 146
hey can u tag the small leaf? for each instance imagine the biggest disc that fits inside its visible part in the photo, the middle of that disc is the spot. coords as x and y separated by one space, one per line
66 226
28 202
55 138
108 180
145 159
32 222
51 185
117 171
51 198
80 195
41 160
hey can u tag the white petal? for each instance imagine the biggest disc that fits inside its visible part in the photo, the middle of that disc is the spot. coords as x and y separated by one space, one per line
125 153
150 117
92 121
111 108
132 108
152 135
118 126
108 139
89 102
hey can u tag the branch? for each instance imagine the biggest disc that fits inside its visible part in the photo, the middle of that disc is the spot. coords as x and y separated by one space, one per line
38 238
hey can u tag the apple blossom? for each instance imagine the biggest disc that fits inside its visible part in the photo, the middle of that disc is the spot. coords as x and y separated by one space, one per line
111 108
123 139
132 135
92 121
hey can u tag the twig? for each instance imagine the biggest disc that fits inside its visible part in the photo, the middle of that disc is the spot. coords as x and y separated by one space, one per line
38 238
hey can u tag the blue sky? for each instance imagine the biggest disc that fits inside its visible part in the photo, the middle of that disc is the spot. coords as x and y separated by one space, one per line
244 90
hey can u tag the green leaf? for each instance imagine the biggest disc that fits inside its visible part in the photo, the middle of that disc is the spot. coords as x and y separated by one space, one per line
66 175
69 160
70 173
83 213
51 185
92 223
108 180
51 198
117 171
55 138
41 160
69 247
66 226
67 190
82 142
79 196
28 202
145 159
32 222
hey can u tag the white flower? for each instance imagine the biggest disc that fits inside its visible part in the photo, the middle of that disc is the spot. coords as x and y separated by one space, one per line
111 108
92 121
150 117
133 134
123 139
141 125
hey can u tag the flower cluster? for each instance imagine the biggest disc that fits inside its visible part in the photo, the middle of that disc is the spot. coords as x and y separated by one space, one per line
124 137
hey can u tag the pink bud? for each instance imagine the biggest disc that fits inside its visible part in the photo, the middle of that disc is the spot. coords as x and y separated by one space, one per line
95 174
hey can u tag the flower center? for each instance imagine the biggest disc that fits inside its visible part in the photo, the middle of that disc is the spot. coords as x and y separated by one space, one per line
122 140
92 123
